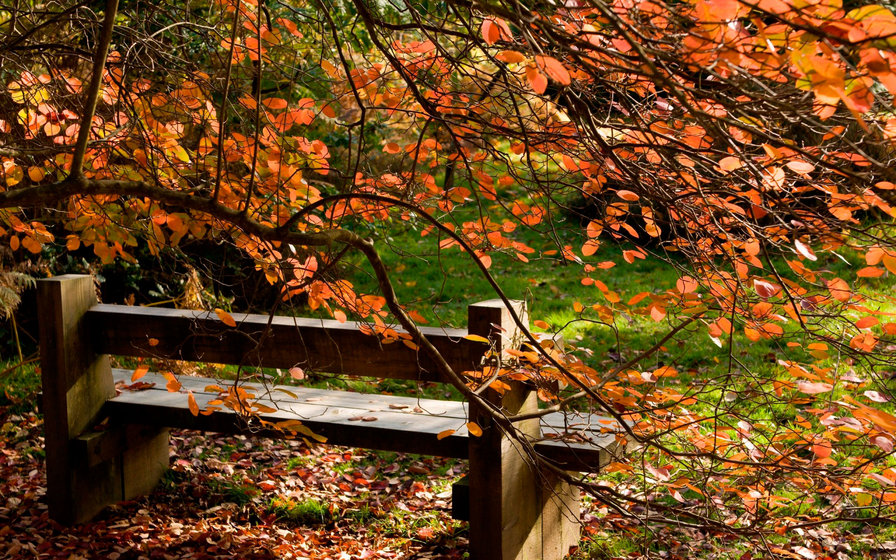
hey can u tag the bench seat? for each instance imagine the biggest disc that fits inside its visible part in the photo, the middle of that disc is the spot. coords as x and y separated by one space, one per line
373 421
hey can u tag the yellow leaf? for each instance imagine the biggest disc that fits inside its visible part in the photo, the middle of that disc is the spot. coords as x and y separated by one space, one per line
476 338
474 429
225 317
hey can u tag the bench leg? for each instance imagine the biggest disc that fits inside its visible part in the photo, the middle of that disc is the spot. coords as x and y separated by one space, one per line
517 512
76 383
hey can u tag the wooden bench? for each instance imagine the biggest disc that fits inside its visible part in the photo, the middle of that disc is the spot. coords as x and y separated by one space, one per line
517 510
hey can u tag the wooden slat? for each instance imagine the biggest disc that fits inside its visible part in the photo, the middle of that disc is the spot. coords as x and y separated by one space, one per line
390 431
279 342
397 427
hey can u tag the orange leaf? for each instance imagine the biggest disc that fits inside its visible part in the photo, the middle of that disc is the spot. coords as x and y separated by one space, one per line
866 322
225 317
173 384
139 372
490 32
474 429
296 373
536 79
275 103
822 449
391 148
443 434
339 316
36 174
627 195
870 272
510 57
686 284
890 263
590 247
657 313
153 341
839 289
191 402
553 68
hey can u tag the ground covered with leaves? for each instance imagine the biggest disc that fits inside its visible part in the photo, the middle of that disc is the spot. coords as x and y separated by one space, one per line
237 497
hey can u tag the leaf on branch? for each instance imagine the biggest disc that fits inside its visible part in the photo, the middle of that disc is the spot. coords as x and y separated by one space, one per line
804 250
474 429
553 68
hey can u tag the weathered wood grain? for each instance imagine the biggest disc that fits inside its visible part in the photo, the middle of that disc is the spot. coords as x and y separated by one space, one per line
278 342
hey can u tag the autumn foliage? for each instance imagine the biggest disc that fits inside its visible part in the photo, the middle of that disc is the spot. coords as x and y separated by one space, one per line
750 144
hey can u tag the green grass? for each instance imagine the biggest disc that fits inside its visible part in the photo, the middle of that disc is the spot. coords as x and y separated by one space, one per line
309 511
19 388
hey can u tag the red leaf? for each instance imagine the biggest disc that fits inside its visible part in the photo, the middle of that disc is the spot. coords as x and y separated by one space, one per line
765 289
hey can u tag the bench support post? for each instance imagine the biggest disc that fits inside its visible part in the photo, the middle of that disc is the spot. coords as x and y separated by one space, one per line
517 511
76 383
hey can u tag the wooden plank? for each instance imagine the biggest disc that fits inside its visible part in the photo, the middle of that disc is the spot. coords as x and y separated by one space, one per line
279 342
579 455
389 430
348 399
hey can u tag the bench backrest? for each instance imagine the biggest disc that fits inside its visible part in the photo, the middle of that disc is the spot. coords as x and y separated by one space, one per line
283 342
